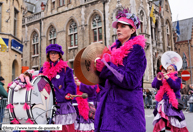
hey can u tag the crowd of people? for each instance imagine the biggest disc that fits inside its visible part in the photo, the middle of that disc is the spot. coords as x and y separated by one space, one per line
117 103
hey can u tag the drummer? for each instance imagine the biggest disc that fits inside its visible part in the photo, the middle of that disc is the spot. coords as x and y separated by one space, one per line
62 78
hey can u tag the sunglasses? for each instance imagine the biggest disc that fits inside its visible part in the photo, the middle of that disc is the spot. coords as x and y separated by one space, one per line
170 69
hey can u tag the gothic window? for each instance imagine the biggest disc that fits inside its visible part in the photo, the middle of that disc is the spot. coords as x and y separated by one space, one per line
97 28
15 22
73 34
69 1
53 4
166 6
52 35
168 33
142 21
61 2
35 43
156 30
14 70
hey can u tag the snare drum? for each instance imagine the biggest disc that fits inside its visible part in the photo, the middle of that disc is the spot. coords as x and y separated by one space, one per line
40 100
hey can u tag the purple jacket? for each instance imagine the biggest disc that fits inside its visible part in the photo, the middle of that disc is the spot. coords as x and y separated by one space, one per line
66 81
121 107
91 91
175 85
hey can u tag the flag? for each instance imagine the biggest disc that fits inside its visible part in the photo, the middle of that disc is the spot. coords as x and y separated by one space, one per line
178 28
3 46
152 15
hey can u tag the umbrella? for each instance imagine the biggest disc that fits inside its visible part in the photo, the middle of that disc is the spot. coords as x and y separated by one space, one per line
3 46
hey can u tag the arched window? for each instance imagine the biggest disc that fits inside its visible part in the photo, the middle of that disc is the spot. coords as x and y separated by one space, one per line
156 30
168 33
35 43
142 21
73 34
13 70
97 28
52 35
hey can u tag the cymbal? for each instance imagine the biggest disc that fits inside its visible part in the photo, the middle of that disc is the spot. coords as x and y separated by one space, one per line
77 68
87 63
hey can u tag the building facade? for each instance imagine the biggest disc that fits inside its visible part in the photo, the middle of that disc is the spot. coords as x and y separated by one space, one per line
11 33
74 24
184 45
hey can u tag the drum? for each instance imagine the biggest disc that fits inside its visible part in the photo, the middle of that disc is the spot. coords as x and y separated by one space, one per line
33 106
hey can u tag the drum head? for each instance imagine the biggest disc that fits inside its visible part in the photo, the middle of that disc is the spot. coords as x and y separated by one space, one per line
171 57
41 99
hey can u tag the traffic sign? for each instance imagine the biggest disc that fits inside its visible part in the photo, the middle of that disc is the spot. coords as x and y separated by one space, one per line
185 75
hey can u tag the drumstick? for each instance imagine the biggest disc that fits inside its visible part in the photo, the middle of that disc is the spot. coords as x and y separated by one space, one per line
84 96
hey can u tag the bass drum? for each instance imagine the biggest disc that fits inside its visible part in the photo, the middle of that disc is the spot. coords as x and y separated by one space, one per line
41 100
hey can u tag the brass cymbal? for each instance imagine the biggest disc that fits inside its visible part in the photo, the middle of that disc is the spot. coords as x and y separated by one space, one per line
87 63
77 68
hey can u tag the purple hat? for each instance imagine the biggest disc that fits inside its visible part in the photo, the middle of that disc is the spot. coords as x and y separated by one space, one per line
54 47
174 66
128 18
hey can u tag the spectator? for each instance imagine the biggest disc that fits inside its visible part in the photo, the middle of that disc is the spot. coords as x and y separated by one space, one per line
3 94
148 99
144 93
190 90
184 92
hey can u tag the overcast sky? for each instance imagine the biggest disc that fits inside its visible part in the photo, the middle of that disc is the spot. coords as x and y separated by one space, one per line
182 8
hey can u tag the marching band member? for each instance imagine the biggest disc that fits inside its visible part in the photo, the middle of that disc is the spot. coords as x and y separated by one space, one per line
121 107
167 114
83 123
62 78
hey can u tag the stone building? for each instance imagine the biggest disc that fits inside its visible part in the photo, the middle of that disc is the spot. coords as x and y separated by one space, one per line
11 32
74 24
184 45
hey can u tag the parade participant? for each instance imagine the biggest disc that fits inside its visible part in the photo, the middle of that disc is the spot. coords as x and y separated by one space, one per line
62 78
121 107
167 114
83 122
23 81
162 69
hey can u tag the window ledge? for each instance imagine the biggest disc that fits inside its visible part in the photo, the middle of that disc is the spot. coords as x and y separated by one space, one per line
60 6
97 42
35 55
74 47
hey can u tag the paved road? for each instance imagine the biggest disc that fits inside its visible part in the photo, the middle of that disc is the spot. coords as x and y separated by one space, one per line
149 118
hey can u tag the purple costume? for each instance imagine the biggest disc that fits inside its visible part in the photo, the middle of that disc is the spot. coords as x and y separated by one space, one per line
64 84
93 96
81 124
121 107
175 117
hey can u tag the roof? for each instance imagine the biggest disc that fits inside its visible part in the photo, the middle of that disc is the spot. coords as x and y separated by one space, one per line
185 29
34 6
